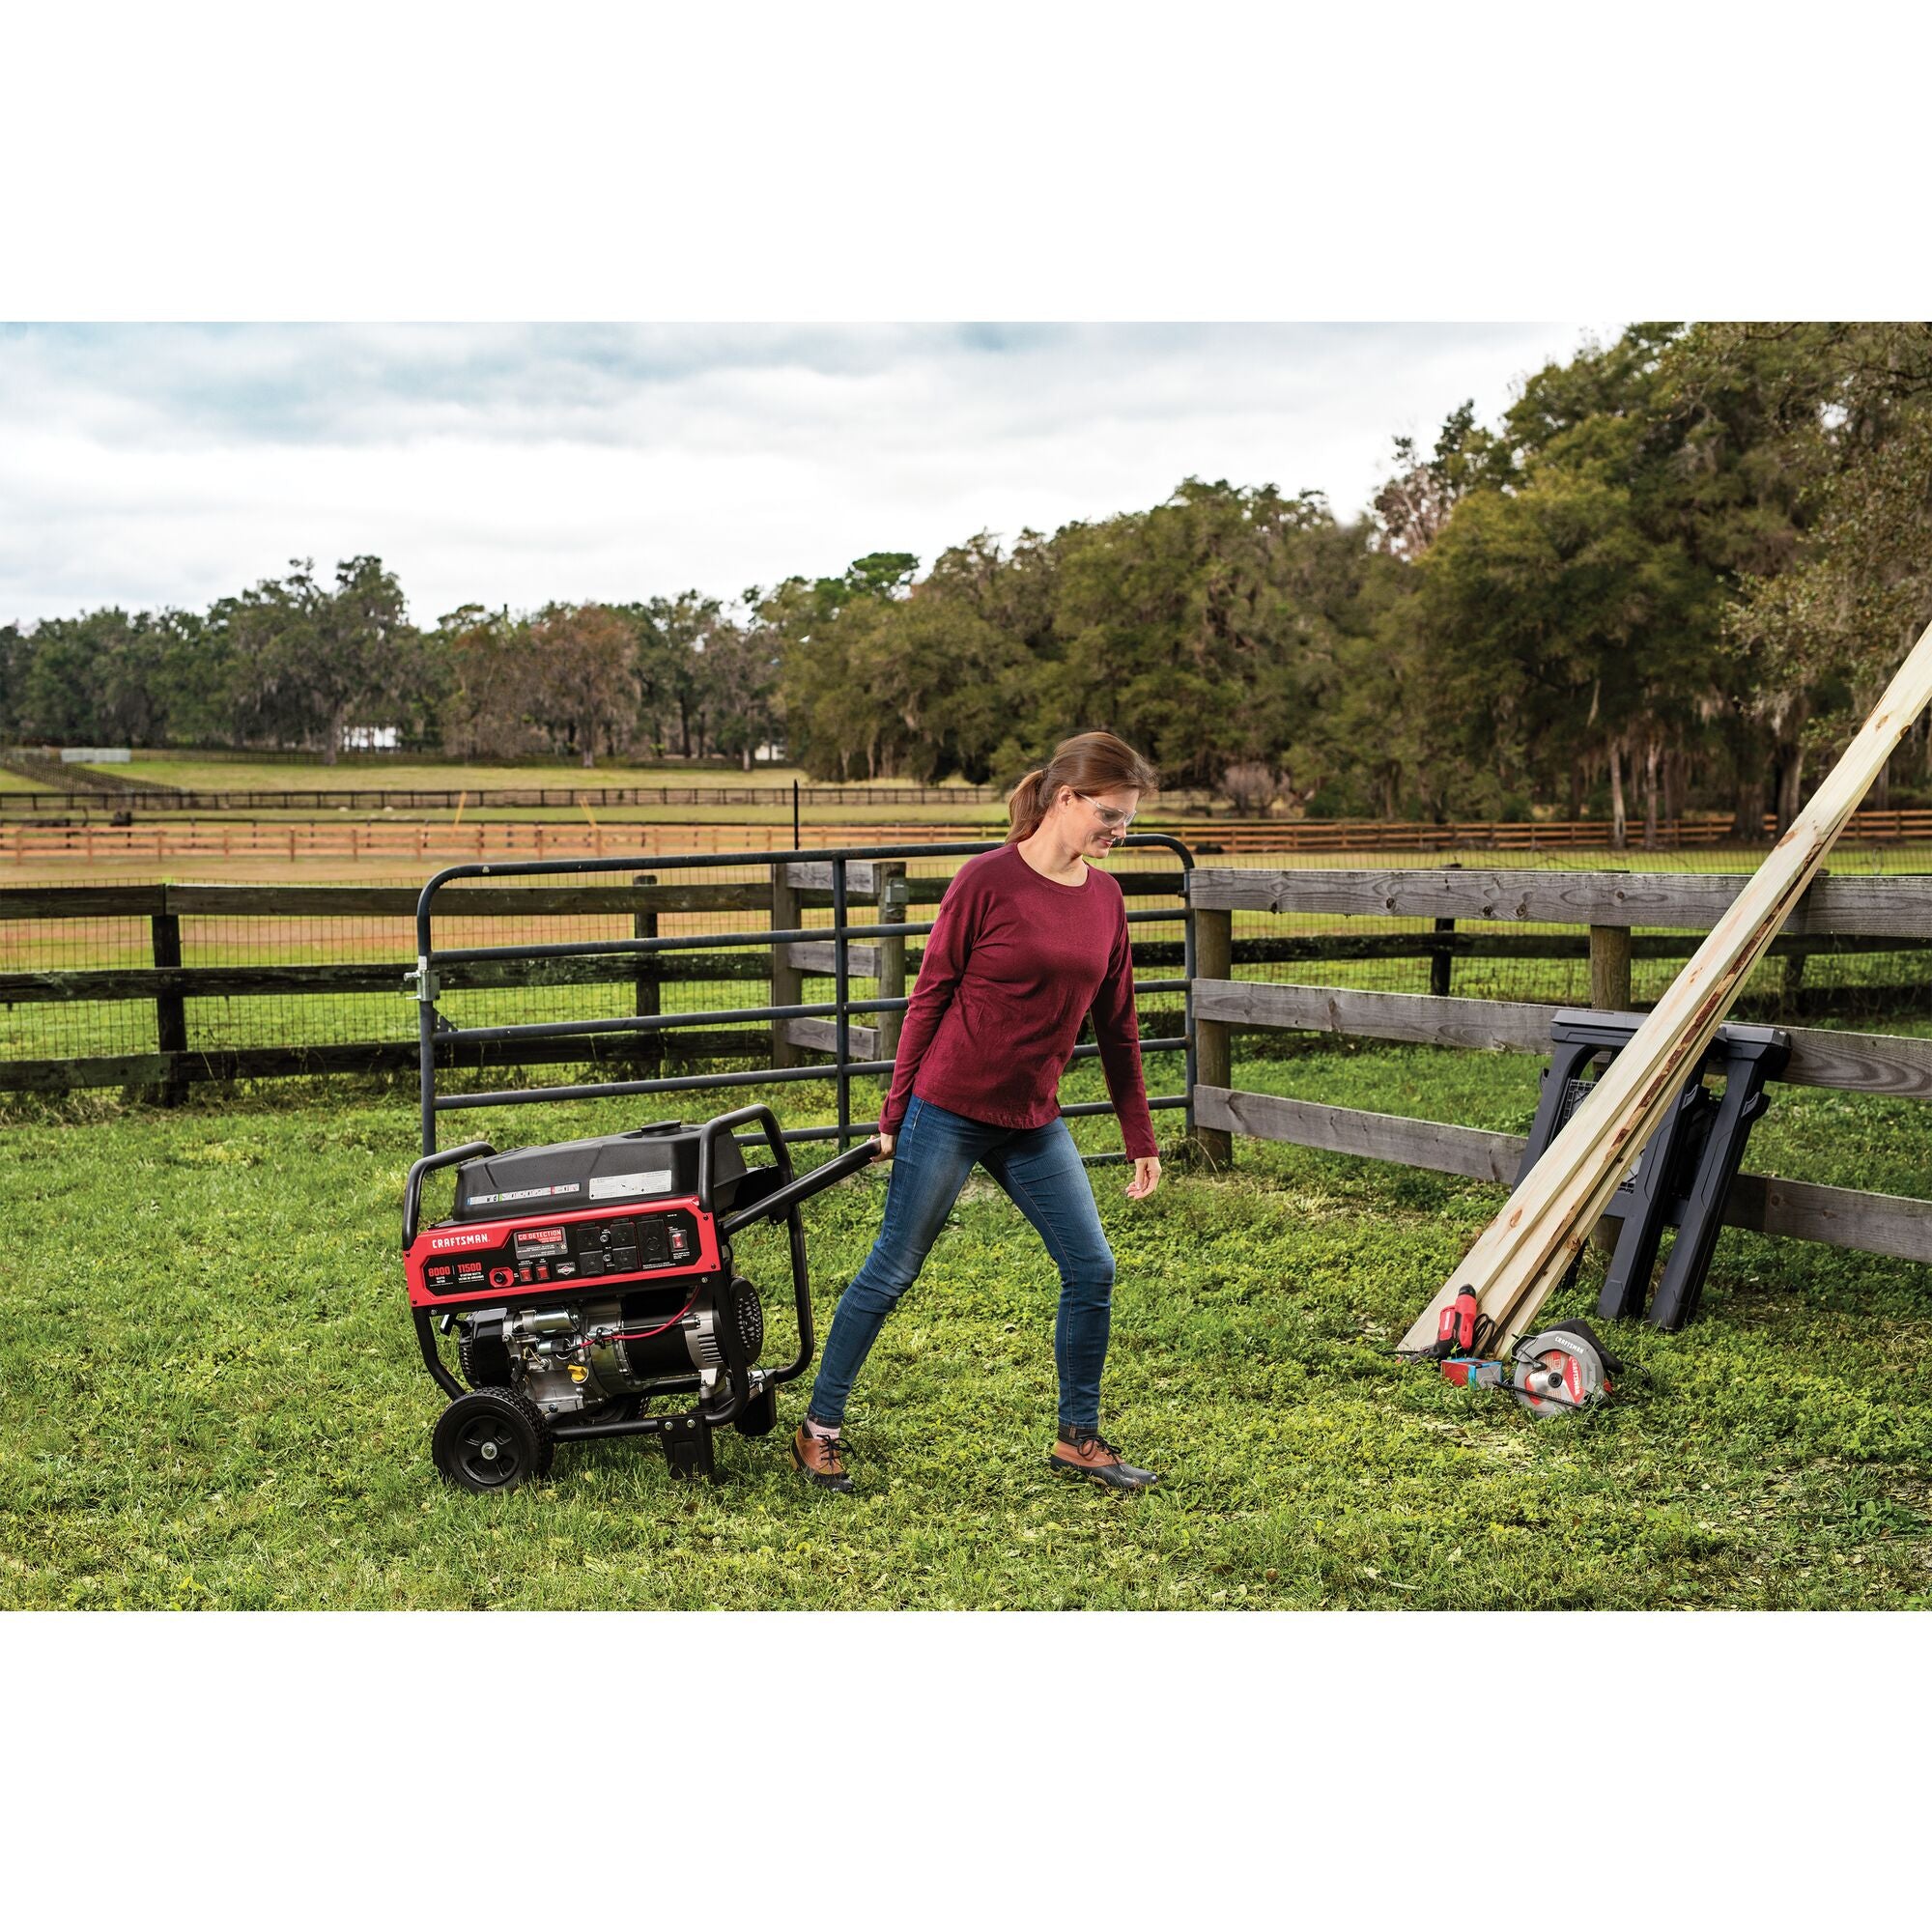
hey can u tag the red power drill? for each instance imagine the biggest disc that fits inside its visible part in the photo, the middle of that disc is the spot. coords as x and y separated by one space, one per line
1457 1326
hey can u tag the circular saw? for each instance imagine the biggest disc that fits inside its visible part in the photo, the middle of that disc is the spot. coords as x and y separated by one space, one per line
1561 1369
1556 1372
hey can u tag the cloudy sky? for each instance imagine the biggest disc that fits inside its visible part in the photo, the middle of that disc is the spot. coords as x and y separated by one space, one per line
170 464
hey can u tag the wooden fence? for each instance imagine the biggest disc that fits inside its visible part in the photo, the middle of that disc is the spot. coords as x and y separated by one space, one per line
1607 905
1837 913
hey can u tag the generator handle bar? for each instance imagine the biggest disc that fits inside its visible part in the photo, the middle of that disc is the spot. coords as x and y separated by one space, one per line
801 1279
758 1115
781 1200
413 1193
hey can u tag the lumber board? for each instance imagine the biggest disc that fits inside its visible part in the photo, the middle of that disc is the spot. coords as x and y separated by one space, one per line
1894 1225
1526 1249
1900 908
1897 1065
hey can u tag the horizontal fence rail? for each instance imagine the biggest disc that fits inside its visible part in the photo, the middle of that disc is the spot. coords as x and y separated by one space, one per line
1873 1223
1871 911
1900 908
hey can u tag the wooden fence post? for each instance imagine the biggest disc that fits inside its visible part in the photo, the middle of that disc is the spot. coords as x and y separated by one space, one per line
1213 959
170 1008
788 980
1611 968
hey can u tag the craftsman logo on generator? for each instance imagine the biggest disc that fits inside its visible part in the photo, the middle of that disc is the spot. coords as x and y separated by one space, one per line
479 1239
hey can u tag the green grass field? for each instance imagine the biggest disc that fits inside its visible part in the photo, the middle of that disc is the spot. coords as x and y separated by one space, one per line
209 1395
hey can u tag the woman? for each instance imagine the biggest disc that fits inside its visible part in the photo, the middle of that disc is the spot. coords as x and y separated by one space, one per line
1027 938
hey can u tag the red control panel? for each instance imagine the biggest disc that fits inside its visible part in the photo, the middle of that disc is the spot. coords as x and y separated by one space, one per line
457 1263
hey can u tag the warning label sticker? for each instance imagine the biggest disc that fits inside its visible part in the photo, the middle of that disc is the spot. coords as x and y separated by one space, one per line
604 1185
526 1194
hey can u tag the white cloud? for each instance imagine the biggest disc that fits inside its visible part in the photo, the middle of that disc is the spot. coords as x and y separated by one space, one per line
509 464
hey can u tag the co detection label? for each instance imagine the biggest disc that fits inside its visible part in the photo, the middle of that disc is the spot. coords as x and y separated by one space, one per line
604 1185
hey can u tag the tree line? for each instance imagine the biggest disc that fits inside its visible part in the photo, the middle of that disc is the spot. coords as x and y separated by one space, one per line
1673 577
299 663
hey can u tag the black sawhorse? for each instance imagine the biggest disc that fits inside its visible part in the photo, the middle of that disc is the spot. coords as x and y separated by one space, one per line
1687 1167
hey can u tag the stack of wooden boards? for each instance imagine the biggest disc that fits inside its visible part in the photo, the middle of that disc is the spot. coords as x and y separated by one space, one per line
1527 1249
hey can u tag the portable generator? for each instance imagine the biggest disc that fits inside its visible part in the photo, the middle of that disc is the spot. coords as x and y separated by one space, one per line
586 1280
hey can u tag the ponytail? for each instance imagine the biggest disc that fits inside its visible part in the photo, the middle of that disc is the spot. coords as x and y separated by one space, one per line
1025 805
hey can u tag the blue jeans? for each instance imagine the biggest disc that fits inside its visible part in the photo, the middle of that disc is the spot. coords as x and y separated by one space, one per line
1039 1168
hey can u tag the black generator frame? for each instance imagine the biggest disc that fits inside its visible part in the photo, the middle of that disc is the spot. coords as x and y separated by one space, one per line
687 1433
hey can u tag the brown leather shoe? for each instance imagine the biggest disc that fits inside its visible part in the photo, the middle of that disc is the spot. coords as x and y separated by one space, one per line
819 1458
1086 1452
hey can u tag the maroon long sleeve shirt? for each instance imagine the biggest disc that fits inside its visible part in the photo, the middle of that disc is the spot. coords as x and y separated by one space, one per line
1011 966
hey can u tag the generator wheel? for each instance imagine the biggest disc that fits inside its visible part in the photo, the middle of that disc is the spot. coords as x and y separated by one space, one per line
485 1361
492 1439
760 1415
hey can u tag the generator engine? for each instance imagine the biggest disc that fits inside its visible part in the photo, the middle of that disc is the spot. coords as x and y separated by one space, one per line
585 1280
572 1359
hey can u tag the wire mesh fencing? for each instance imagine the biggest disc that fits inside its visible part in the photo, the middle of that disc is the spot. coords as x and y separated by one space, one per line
246 982
270 979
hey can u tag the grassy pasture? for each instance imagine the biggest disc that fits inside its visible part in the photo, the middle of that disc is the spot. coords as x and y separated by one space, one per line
208 1394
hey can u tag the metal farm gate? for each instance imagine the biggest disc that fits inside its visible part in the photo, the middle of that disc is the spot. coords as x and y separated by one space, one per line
840 878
